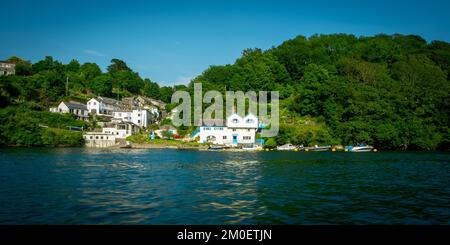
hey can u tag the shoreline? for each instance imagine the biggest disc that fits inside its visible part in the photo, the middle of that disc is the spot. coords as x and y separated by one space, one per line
193 147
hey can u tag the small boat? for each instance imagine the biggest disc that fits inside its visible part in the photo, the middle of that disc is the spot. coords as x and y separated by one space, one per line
360 148
286 147
317 148
251 148
215 148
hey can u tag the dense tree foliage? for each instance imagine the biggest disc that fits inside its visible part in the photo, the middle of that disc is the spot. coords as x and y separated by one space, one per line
392 91
26 127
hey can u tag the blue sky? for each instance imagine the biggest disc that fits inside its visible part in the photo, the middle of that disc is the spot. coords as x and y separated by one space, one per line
171 42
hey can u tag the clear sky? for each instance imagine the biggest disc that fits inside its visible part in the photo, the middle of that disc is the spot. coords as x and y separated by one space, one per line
171 42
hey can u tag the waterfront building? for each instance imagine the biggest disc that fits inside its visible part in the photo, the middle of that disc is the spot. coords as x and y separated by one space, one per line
7 68
236 131
139 117
99 139
121 130
78 109
104 106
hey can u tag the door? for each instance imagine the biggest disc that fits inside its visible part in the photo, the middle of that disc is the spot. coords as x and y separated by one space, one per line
235 141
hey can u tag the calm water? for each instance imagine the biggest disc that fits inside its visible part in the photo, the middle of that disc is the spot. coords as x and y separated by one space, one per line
101 186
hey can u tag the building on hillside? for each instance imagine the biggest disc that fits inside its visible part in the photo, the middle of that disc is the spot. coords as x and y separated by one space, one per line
121 130
237 131
7 68
104 106
98 139
78 109
138 117
142 102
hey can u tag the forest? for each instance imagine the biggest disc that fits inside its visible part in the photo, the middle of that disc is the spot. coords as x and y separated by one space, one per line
391 91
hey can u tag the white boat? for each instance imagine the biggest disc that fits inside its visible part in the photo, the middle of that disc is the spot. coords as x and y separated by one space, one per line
252 148
318 148
361 148
286 147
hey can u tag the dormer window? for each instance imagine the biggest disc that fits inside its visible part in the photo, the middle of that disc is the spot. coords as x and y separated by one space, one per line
249 121
235 121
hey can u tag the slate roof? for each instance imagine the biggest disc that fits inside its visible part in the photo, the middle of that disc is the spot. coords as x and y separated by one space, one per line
75 105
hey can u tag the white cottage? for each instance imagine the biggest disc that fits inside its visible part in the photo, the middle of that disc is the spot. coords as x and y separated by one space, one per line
139 117
78 109
104 106
237 131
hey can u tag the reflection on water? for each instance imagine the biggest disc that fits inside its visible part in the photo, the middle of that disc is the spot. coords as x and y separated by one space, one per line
123 186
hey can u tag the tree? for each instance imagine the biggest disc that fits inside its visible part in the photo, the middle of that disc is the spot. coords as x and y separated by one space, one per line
151 89
117 65
73 66
89 71
101 85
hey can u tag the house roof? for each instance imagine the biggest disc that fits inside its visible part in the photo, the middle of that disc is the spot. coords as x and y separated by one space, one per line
109 101
75 105
213 122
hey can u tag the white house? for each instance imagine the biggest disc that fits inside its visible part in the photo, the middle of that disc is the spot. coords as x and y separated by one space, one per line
78 109
237 131
121 130
139 117
103 106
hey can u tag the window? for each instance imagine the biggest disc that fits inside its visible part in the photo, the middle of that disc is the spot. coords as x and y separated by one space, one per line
95 103
234 130
101 137
96 137
248 130
139 115
92 137
235 120
246 138
249 121
139 121
224 137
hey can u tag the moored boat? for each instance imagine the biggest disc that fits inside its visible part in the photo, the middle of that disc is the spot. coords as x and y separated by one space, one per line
360 148
215 148
286 147
317 148
251 148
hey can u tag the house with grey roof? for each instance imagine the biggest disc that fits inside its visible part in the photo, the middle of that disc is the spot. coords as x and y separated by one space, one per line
104 106
78 109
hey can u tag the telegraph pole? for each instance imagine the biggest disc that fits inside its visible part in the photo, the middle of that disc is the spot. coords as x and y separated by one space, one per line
67 86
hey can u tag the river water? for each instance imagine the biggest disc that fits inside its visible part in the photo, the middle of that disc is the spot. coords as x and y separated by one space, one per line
130 186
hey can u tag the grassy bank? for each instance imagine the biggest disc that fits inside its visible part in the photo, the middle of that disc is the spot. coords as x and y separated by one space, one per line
144 139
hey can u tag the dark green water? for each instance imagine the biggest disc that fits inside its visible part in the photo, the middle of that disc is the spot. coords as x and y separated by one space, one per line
94 186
